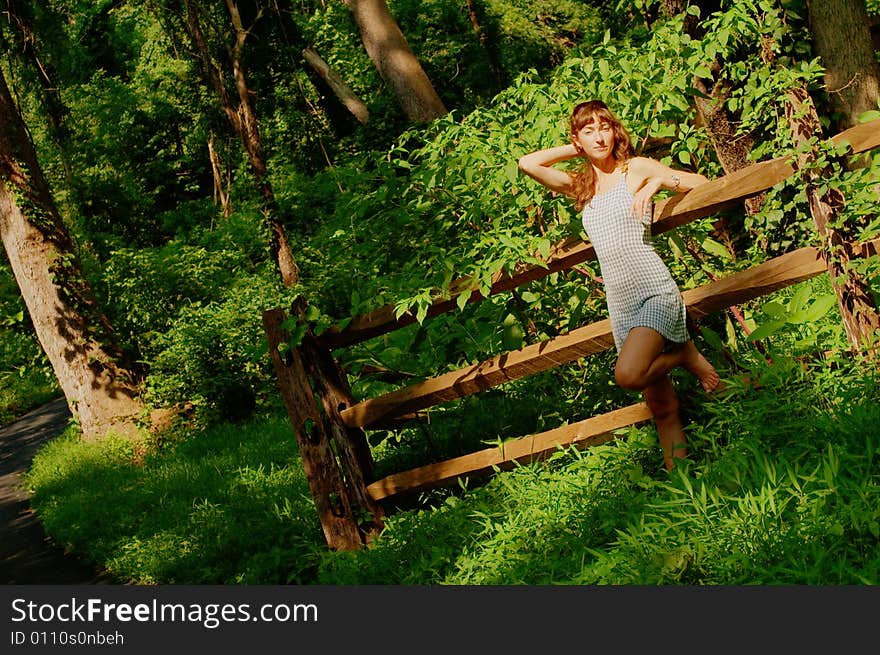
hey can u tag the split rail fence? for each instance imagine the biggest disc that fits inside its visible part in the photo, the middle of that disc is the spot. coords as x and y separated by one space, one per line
329 425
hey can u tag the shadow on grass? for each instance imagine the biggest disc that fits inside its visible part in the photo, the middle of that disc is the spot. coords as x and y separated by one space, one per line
229 506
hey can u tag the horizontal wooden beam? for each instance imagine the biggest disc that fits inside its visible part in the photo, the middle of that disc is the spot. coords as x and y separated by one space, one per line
745 285
861 138
669 213
590 432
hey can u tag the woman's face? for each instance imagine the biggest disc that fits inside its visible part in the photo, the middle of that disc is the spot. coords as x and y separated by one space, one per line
596 139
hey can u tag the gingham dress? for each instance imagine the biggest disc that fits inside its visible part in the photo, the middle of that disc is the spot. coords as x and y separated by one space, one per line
638 287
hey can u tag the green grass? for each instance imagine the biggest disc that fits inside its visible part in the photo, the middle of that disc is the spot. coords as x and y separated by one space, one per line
232 506
782 487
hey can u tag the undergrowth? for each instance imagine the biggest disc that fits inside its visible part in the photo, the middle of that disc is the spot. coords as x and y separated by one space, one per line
774 492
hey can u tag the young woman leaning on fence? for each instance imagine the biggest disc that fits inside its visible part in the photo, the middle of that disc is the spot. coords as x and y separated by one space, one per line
613 193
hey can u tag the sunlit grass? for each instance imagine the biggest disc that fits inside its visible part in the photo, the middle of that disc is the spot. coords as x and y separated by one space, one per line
231 506
774 492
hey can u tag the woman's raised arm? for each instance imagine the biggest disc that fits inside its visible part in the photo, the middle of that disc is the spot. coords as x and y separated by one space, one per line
538 165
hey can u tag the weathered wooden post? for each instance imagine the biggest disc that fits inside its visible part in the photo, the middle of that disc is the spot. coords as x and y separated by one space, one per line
339 509
352 449
857 307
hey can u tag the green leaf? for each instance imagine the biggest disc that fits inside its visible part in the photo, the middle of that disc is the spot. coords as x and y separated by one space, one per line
714 248
312 313
774 309
799 299
512 172
821 306
676 244
711 337
512 334
765 330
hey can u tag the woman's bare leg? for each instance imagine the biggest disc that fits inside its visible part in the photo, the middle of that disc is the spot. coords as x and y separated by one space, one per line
642 362
663 403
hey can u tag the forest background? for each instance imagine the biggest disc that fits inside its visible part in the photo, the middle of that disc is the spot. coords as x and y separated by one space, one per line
201 169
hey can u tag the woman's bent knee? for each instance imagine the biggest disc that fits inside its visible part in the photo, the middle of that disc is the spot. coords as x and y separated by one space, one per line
628 378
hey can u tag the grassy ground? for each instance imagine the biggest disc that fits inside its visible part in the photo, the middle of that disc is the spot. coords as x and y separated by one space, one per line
783 486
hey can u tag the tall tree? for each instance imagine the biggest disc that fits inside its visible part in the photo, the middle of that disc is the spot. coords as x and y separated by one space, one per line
842 38
239 109
101 390
388 49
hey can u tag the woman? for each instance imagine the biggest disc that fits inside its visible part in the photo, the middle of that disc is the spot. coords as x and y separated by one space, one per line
648 317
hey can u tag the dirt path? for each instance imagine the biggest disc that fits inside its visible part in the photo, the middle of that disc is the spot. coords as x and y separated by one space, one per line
26 554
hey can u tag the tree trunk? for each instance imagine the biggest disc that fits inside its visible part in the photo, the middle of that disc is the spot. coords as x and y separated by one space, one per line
842 38
731 149
243 120
221 180
75 335
854 299
395 61
340 89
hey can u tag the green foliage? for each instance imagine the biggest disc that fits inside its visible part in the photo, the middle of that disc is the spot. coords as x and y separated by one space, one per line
231 507
26 379
214 355
801 317
774 493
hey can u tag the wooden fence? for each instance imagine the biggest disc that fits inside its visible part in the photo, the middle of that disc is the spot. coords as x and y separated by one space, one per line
329 426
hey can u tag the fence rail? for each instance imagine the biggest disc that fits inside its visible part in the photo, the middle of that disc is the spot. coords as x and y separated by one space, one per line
333 446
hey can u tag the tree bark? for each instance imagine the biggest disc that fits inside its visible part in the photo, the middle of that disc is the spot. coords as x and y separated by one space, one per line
340 89
101 391
221 180
842 38
388 49
854 299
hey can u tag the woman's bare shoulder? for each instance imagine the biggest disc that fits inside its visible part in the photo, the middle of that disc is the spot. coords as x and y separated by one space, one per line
645 166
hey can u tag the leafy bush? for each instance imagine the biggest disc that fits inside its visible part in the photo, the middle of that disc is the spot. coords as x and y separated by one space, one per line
214 355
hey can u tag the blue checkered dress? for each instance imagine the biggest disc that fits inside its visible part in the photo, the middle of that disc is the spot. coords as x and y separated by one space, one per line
638 287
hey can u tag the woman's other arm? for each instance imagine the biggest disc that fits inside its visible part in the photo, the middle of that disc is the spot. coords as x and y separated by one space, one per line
651 175
538 165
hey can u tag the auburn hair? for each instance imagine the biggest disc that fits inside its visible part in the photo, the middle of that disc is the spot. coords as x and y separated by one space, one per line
583 181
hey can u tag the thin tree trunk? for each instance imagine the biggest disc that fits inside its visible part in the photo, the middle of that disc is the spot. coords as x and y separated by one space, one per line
243 119
75 335
340 89
388 49
221 181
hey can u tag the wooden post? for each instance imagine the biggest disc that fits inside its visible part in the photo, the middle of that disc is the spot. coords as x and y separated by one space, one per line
322 471
854 299
352 449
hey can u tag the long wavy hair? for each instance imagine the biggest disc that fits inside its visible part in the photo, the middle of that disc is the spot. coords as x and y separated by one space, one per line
584 180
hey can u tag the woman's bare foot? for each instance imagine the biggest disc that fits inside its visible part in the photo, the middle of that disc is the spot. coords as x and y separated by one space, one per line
700 367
